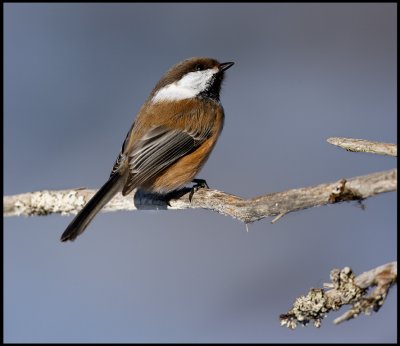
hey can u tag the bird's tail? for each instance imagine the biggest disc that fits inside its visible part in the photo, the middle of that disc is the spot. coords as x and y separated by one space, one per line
95 204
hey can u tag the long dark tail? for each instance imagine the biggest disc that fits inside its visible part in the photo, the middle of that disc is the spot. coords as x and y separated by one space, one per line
89 211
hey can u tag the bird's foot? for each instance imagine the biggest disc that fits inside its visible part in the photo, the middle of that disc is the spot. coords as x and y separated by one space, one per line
199 184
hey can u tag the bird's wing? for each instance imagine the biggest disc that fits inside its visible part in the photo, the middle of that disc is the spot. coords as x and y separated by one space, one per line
159 148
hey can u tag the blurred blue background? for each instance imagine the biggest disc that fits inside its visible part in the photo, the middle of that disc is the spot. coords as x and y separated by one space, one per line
74 77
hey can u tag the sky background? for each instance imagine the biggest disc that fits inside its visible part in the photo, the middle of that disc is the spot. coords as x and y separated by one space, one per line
74 77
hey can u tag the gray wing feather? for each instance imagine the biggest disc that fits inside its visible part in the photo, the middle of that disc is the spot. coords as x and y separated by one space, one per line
158 149
121 156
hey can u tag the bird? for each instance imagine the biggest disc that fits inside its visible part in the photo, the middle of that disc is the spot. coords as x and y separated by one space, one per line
170 139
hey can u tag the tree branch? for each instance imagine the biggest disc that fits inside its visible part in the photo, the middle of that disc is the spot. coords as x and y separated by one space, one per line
247 210
361 145
345 289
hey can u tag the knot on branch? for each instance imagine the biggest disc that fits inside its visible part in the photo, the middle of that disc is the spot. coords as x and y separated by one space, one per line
341 193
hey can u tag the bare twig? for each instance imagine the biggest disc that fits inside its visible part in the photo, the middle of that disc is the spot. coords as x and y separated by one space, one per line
361 145
281 215
246 210
345 289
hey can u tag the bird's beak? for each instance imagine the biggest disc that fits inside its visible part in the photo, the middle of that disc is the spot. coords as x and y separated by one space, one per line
225 65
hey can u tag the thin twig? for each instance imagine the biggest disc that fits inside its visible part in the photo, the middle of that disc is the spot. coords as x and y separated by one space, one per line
278 217
362 145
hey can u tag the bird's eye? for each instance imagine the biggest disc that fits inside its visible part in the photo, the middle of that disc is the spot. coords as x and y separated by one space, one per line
199 67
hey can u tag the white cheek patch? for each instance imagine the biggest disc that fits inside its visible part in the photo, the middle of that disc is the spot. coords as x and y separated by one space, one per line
190 85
